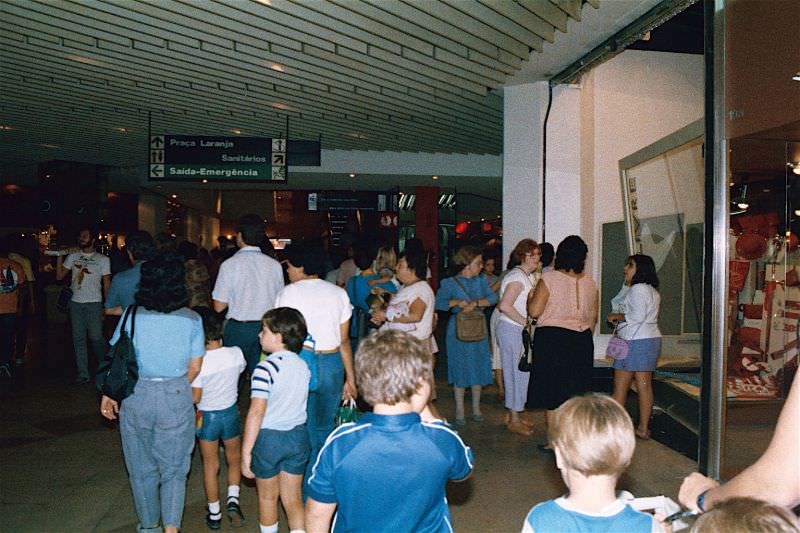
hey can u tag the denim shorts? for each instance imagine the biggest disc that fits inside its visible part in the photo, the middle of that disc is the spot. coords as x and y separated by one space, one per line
280 451
222 424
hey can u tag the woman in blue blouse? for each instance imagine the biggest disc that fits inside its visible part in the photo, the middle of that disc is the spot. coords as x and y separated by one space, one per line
377 269
468 363
157 420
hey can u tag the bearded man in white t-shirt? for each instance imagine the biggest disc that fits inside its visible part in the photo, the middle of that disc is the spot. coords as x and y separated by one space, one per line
91 278
327 310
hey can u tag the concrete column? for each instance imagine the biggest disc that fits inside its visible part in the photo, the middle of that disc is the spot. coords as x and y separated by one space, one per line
524 108
524 213
563 188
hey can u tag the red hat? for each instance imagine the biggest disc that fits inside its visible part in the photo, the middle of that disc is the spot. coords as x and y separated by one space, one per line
751 246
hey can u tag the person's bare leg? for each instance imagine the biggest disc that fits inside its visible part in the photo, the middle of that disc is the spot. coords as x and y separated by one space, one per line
476 401
268 492
622 383
644 388
210 453
501 387
292 500
233 455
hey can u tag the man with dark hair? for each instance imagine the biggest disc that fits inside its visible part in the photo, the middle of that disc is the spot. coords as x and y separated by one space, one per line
12 277
246 287
91 278
139 247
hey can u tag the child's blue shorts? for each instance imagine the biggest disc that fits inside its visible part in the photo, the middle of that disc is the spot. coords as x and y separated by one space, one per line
280 451
222 424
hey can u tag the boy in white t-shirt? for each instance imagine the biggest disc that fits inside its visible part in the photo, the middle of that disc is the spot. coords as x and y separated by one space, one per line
215 391
276 444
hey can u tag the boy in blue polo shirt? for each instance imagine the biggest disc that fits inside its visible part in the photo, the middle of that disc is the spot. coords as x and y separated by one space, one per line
593 440
388 471
276 447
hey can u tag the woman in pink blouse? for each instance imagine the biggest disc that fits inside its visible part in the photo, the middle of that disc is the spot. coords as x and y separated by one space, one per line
565 304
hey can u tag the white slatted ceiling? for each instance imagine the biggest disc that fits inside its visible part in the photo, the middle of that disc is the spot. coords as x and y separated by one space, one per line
410 75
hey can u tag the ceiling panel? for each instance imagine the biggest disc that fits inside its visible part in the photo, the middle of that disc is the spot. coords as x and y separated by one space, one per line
78 78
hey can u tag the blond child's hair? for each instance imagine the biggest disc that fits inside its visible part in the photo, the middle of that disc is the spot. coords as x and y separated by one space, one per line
385 259
594 435
746 515
390 365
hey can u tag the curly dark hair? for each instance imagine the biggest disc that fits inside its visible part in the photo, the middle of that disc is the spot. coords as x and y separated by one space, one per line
416 261
290 324
571 254
645 270
162 287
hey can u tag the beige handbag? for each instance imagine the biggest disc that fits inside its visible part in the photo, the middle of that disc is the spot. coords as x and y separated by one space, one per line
470 325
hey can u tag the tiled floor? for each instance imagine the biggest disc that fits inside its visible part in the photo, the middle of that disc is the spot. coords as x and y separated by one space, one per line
61 466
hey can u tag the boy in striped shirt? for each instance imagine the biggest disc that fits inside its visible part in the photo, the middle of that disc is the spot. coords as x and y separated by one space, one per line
275 447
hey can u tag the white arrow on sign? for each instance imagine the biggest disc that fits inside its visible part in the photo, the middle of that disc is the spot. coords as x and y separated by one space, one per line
156 171
157 141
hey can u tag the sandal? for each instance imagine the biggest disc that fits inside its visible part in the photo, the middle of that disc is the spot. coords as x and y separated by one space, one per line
520 429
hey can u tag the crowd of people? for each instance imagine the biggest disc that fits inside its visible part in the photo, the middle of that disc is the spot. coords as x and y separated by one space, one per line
300 341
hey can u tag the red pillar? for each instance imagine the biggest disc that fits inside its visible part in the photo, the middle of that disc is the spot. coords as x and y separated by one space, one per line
426 219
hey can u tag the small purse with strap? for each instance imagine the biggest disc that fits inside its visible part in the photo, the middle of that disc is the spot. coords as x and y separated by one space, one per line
617 346
470 325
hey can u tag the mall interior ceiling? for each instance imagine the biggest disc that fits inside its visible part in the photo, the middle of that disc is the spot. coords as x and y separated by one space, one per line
86 80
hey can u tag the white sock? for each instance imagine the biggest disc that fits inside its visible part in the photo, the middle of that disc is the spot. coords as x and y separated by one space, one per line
269 529
298 531
233 492
476 400
214 509
459 392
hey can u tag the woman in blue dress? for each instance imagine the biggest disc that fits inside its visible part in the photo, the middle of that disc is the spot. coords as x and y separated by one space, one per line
468 363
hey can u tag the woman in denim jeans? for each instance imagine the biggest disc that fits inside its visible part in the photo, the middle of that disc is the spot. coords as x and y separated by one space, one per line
157 420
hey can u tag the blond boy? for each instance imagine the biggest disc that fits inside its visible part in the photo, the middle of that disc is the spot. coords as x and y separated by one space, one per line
746 515
593 441
387 472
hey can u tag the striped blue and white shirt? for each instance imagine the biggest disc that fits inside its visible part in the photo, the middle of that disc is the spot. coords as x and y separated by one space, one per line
282 379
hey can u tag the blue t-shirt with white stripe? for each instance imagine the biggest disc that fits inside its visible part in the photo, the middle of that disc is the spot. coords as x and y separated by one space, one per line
388 473
558 515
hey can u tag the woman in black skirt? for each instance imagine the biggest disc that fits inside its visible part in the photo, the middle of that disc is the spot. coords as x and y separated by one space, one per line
565 304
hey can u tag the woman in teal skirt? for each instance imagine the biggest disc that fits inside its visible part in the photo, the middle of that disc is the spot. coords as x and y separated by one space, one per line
468 363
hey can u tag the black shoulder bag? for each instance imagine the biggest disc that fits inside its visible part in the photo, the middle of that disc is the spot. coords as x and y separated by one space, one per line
117 374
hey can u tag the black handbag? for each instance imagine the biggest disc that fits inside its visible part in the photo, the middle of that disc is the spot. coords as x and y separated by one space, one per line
526 359
118 372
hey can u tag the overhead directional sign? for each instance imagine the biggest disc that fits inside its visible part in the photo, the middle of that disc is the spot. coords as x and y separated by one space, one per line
212 158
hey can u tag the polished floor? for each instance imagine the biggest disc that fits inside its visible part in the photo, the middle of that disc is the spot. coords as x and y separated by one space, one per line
61 466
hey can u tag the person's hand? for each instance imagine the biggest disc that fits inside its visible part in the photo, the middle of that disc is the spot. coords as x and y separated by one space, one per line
246 471
469 306
109 408
693 485
349 390
614 318
665 526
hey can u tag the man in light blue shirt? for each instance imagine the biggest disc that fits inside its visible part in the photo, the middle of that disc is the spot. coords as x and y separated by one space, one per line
139 247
